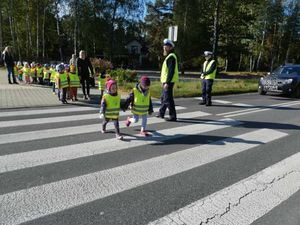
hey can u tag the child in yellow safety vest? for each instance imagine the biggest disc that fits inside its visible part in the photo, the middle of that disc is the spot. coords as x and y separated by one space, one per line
101 82
33 73
110 107
53 78
74 82
26 73
46 74
67 72
62 81
141 104
20 71
39 73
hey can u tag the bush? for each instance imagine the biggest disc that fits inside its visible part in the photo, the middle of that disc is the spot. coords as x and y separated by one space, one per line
122 76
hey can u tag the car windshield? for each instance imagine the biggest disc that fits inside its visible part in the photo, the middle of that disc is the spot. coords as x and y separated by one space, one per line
290 71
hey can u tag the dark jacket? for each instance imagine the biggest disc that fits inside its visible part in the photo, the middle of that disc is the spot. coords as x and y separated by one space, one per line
8 60
84 65
129 100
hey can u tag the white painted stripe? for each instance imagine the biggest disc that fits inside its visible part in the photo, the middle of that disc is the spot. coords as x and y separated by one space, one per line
46 111
242 105
35 202
46 156
222 102
37 121
252 198
261 110
216 101
83 129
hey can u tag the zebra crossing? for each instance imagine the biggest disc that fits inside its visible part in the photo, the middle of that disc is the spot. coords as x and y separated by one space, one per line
101 180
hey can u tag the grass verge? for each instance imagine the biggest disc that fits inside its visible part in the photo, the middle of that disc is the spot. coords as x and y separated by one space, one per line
193 88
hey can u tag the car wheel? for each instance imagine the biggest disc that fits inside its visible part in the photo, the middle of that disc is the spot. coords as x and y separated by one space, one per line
296 93
261 91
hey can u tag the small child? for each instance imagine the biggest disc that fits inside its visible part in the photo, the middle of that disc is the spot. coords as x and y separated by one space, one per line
27 73
74 82
39 73
33 73
110 107
46 74
20 71
53 77
101 82
141 105
62 81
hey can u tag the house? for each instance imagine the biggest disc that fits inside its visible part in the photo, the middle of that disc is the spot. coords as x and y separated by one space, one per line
136 51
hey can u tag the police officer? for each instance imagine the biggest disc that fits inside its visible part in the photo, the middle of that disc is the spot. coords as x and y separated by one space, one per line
208 75
169 75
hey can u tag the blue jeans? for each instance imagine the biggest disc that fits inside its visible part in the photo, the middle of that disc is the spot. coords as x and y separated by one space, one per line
10 72
135 119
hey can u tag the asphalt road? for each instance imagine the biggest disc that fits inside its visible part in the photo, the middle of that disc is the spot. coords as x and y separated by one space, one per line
236 162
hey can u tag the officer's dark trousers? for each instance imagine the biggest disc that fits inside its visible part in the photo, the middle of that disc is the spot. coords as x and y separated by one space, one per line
167 101
206 90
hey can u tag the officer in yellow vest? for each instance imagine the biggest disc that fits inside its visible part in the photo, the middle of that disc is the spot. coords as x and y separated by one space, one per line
169 75
208 75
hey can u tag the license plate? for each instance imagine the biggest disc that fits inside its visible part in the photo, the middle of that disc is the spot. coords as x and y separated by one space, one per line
271 87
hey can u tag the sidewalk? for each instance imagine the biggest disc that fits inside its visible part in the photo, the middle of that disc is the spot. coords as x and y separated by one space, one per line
20 95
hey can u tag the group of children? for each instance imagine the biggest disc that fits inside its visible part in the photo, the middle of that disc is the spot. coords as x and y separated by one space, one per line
34 73
62 77
139 100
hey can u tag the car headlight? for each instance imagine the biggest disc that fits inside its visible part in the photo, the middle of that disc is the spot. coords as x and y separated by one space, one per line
288 81
261 78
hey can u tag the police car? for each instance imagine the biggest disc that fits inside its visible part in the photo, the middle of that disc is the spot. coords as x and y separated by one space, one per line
285 79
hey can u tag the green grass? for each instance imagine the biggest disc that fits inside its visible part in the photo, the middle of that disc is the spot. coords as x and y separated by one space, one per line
193 88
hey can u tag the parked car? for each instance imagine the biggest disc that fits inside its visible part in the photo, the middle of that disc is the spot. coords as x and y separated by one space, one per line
285 79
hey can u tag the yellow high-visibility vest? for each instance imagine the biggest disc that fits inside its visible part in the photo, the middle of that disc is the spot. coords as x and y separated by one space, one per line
39 72
33 72
74 80
63 80
26 71
207 68
165 70
112 106
101 83
52 76
141 102
47 74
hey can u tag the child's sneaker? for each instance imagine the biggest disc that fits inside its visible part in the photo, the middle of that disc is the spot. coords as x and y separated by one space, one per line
119 137
144 133
103 131
127 123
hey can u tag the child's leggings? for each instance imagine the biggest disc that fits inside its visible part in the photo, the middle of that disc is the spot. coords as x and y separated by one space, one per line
116 124
135 119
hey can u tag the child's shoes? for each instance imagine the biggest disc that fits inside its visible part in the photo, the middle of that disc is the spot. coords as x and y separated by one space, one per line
119 137
127 123
103 131
144 133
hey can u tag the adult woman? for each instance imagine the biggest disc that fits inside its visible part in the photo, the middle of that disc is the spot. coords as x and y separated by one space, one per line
9 63
83 66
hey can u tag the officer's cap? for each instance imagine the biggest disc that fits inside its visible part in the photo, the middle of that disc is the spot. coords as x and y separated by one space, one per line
208 53
169 42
